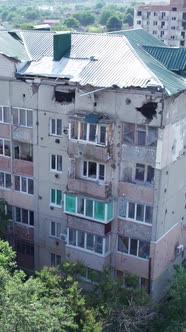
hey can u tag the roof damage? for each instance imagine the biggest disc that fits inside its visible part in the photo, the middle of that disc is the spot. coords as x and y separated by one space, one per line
96 60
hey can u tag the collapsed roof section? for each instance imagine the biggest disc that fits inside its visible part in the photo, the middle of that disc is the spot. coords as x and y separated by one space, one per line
98 60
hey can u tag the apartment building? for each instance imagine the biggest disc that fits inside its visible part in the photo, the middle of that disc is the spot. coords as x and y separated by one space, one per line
166 22
92 153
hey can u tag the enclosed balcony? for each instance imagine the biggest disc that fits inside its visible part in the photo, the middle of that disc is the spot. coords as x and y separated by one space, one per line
23 158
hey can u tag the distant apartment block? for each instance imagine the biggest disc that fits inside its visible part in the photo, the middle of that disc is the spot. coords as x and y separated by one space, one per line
166 22
93 153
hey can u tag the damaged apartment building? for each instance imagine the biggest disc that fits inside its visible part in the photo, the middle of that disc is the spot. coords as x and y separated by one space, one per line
92 153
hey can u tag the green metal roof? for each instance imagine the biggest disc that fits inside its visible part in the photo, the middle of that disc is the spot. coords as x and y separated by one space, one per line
171 58
12 46
138 39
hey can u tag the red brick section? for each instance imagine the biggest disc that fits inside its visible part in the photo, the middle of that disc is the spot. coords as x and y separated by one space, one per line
5 164
23 167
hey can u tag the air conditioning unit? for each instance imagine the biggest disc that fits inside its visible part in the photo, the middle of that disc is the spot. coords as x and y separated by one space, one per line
179 249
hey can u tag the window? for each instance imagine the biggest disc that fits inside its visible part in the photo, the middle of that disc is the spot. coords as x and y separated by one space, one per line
131 280
144 173
93 171
56 163
139 22
93 209
23 151
24 248
5 147
155 22
88 241
133 247
8 211
22 117
90 275
24 216
5 180
135 211
56 127
24 184
142 135
138 13
4 114
55 259
56 197
55 229
93 133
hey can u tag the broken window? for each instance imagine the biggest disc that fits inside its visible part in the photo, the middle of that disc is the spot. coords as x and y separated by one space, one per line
144 173
140 172
123 244
133 247
93 170
152 136
65 97
150 174
131 210
144 249
142 135
129 130
23 151
93 133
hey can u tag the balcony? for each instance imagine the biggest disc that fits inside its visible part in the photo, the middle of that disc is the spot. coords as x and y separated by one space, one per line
91 188
22 134
23 167
5 164
130 264
137 192
78 149
139 154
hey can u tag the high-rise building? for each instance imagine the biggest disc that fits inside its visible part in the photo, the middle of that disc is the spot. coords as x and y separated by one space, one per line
166 22
93 153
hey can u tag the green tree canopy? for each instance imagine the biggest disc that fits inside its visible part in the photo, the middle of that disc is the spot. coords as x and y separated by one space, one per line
114 24
128 19
85 18
71 22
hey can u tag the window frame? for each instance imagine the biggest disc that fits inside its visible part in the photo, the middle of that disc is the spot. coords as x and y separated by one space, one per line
134 132
85 215
97 178
5 175
146 172
94 249
21 183
56 257
56 129
136 204
97 140
56 163
26 110
129 247
3 145
21 217
2 111
55 204
57 231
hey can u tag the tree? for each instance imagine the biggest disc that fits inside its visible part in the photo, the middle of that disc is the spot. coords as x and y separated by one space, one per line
114 24
46 302
85 18
128 19
172 313
71 22
105 15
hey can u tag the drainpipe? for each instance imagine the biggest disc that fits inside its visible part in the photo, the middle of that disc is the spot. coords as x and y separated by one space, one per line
149 276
